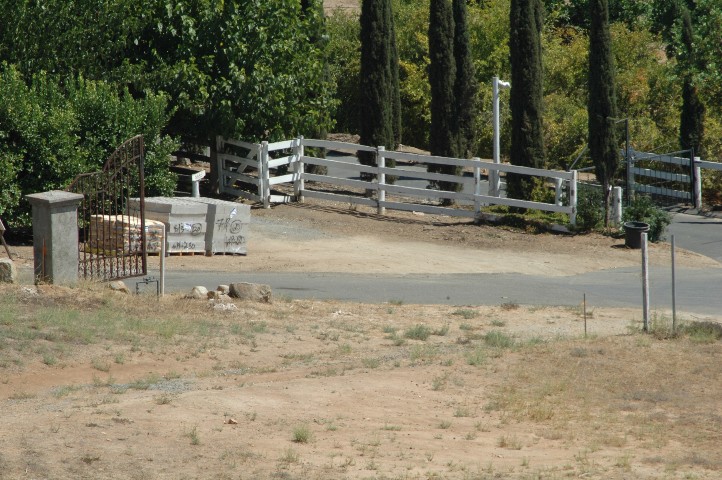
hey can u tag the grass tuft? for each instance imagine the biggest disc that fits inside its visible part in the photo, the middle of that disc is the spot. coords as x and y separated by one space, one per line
302 434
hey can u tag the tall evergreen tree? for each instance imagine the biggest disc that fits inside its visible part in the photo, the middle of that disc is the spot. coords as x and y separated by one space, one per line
527 142
691 128
443 136
442 77
602 106
466 86
378 83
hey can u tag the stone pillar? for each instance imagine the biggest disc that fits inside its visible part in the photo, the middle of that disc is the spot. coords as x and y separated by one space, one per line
55 236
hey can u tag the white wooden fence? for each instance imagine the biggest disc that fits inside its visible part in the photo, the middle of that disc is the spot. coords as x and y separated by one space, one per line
694 180
255 167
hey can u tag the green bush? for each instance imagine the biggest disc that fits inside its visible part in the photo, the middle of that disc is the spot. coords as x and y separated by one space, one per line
52 130
590 208
644 210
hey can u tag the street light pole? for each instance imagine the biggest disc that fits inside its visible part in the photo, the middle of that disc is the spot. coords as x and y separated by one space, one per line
494 183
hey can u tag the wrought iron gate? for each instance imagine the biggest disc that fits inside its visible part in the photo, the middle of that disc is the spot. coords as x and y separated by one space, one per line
668 178
112 242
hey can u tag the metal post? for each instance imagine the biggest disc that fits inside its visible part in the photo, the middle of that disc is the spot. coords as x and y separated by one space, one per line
494 179
630 176
674 292
645 284
616 206
381 164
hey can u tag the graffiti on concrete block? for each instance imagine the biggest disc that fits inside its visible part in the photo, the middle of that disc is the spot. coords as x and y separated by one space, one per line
193 228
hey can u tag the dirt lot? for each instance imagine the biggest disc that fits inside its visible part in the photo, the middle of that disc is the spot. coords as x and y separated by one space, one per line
95 386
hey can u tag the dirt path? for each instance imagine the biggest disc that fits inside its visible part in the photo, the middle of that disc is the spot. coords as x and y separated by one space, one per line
93 385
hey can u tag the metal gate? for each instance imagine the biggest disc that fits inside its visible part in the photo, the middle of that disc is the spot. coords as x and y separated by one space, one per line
668 178
112 242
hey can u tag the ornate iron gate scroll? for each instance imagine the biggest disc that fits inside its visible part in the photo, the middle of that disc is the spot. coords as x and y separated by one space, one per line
113 243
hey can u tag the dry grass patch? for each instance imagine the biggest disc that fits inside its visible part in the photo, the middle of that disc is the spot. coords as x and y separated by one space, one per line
338 390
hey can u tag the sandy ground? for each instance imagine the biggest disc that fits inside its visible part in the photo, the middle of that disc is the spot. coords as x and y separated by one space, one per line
95 386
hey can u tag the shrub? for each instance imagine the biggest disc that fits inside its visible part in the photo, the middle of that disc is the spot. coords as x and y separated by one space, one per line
52 129
642 209
590 208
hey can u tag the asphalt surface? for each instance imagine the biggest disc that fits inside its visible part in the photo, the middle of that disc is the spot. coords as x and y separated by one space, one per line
698 290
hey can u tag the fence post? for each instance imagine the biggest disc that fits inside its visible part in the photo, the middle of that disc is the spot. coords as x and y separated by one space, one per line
697 171
218 182
381 164
477 186
265 176
298 183
573 198
558 191
616 206
55 236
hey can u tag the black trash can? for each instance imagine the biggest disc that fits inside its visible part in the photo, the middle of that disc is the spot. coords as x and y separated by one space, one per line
633 233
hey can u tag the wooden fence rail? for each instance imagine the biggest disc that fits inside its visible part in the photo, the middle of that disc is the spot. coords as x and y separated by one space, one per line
264 165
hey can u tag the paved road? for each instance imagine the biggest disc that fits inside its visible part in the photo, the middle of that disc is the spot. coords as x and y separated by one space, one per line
698 290
697 233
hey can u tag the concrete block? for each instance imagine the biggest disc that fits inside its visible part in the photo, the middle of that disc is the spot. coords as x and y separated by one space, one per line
228 226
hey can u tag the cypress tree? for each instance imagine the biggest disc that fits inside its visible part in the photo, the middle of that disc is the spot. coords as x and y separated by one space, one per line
378 83
443 140
602 107
527 141
396 89
691 128
466 86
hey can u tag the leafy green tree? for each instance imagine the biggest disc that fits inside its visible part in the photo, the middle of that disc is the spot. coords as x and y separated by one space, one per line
602 100
52 130
691 128
250 69
378 90
527 141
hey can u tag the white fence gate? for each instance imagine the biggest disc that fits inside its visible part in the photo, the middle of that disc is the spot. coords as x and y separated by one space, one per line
250 170
669 176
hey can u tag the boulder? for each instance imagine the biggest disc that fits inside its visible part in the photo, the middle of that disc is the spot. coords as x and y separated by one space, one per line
198 293
119 286
255 292
223 289
8 272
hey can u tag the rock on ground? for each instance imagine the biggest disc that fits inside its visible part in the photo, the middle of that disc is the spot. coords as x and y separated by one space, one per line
118 286
8 272
198 293
255 292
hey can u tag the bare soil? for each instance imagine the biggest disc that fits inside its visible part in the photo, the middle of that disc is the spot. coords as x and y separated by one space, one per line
93 385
